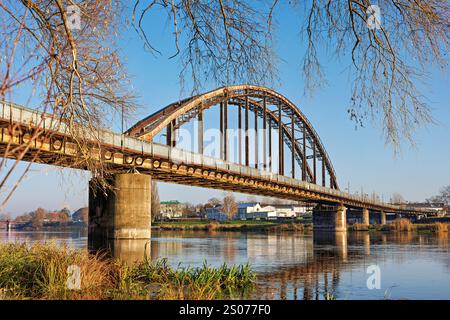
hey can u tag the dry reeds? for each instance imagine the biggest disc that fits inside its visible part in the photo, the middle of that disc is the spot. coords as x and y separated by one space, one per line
401 225
359 227
439 227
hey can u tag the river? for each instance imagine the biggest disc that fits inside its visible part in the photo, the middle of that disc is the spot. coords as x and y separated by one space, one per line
298 266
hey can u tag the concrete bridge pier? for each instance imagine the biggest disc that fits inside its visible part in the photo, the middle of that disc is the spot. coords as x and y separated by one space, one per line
365 217
382 217
330 218
122 213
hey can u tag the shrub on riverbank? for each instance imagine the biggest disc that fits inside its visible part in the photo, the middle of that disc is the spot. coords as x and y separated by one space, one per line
358 227
41 272
439 227
400 225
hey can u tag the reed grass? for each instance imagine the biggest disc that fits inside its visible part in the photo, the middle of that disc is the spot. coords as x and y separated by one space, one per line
401 225
359 227
202 283
440 227
40 272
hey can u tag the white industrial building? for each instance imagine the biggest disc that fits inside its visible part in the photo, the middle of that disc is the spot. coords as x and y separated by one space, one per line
254 211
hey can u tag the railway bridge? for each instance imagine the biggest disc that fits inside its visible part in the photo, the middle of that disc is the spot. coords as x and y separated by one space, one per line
276 152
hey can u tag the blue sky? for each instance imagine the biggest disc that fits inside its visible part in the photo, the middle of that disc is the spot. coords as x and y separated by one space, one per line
360 156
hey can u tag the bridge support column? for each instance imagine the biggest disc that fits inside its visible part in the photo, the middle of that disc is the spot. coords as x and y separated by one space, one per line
124 213
382 217
365 217
330 218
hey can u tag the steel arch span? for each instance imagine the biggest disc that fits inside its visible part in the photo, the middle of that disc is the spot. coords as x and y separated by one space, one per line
277 113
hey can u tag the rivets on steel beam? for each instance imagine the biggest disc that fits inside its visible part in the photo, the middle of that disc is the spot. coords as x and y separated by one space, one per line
26 137
165 165
139 161
107 155
129 159
147 163
57 144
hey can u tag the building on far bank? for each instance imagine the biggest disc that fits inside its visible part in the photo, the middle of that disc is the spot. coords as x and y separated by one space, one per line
246 208
216 213
172 209
81 215
254 211
291 210
438 208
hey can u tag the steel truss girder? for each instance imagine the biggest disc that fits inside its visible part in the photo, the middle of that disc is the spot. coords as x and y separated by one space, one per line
186 109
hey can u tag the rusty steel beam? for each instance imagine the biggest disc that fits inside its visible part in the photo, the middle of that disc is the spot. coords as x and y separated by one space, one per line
323 173
174 133
293 145
225 130
304 153
169 134
240 133
314 162
256 139
280 142
270 144
200 130
247 159
264 133
221 129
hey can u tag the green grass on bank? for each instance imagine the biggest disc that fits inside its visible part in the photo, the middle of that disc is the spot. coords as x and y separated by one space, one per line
40 271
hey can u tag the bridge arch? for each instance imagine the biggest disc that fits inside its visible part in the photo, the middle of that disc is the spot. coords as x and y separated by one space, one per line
277 112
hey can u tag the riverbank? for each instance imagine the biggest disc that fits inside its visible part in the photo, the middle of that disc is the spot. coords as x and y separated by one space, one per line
47 271
239 225
398 225
402 225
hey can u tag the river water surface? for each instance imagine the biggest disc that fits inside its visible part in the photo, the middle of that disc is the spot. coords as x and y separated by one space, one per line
298 266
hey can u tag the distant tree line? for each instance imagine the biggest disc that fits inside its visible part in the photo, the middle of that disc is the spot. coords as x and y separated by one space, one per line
40 216
442 197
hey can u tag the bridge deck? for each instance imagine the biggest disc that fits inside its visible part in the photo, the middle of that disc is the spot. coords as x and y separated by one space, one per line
123 153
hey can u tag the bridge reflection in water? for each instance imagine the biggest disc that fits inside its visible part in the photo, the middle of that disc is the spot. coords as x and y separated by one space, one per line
129 251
